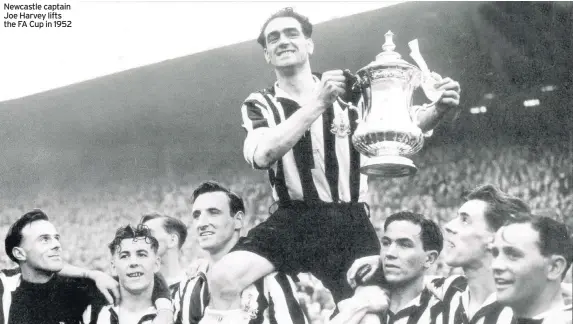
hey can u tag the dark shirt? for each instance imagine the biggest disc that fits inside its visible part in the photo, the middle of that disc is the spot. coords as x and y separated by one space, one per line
60 300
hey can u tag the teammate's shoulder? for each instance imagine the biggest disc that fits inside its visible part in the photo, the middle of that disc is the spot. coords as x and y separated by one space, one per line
83 284
199 278
10 279
11 272
443 286
459 282
259 95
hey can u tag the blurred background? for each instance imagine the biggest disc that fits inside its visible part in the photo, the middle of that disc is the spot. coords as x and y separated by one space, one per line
98 154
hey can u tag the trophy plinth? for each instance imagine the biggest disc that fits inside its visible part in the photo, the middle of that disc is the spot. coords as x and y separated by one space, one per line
389 166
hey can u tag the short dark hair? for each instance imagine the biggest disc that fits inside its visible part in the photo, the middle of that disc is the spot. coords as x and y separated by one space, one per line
129 232
432 237
286 12
554 236
500 205
14 235
171 225
236 204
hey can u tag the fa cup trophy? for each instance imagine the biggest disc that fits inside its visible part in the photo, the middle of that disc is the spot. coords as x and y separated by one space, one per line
387 133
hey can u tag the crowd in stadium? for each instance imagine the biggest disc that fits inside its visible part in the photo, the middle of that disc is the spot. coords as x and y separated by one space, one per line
540 174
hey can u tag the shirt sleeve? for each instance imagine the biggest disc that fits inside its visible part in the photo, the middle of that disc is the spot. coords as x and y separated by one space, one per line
281 289
192 300
256 122
160 288
95 301
440 286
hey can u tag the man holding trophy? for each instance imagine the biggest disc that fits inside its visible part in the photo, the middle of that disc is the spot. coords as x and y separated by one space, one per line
310 141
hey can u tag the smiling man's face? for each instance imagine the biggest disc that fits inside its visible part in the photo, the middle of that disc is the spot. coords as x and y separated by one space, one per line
519 268
213 222
41 246
135 262
286 45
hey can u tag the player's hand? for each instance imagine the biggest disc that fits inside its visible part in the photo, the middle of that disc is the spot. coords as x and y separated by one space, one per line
373 298
106 284
450 98
164 316
376 299
373 262
332 84
198 265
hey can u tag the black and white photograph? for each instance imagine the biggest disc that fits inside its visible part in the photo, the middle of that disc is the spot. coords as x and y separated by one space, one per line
275 162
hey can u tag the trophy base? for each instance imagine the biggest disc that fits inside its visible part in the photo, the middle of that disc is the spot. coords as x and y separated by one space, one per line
389 167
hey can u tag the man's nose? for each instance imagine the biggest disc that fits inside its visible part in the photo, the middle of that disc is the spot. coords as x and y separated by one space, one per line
449 228
56 245
283 40
498 265
201 222
391 251
133 262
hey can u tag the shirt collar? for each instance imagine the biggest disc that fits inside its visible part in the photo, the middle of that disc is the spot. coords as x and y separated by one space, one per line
147 315
555 310
466 299
414 304
280 93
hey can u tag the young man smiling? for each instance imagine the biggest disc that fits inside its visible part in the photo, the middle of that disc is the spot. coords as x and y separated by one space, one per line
134 262
531 257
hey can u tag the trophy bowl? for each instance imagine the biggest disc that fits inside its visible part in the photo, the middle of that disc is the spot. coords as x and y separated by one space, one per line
387 134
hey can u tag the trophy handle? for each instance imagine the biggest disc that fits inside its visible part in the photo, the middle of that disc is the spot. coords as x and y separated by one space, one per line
354 84
348 105
427 84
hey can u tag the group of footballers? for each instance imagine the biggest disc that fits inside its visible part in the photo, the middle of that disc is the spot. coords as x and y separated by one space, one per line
513 262
513 266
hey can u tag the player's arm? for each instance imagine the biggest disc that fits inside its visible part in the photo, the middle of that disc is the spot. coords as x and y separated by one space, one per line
265 146
109 289
363 307
105 283
161 297
429 117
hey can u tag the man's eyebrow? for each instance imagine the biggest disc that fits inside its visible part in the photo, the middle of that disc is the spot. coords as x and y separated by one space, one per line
513 250
287 29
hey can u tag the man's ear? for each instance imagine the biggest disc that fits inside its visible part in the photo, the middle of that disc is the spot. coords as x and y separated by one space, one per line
173 240
19 253
310 46
157 264
239 220
267 56
431 257
556 267
112 268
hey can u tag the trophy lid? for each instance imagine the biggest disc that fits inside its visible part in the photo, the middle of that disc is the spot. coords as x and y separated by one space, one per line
388 57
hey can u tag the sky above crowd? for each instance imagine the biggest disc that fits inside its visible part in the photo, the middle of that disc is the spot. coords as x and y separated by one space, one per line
106 37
